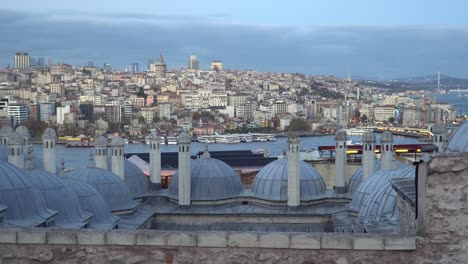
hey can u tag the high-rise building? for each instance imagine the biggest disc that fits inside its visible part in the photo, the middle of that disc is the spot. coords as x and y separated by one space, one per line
46 110
148 65
217 66
133 67
18 114
193 63
21 60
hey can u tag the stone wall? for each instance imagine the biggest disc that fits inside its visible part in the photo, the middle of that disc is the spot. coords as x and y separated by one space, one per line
407 216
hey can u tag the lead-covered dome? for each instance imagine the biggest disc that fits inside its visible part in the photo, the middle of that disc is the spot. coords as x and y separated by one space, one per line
117 141
458 142
26 207
49 134
211 179
58 196
138 184
5 133
112 188
101 141
92 201
374 183
271 182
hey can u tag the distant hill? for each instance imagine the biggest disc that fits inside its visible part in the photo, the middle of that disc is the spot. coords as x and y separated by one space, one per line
428 82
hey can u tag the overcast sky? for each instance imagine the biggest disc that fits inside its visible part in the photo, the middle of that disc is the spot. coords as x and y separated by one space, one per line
366 38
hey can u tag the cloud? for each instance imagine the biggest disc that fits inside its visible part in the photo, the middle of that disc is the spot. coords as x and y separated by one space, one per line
124 38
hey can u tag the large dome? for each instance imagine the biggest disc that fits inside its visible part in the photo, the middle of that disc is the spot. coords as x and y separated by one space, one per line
375 183
58 196
138 184
113 189
458 142
381 206
26 208
356 178
211 179
91 201
271 182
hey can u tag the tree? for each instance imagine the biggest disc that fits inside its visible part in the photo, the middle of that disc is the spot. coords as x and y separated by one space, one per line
304 91
113 127
363 118
391 120
299 125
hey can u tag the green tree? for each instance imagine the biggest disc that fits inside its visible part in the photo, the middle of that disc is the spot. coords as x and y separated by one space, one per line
113 127
391 120
363 118
299 125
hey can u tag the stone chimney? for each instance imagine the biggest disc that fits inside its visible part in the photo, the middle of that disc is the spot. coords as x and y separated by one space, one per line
368 154
294 177
49 138
386 150
100 145
155 159
439 136
340 161
184 169
117 147
16 149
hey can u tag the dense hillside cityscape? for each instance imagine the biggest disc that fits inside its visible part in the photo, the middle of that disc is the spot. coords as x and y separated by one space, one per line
90 100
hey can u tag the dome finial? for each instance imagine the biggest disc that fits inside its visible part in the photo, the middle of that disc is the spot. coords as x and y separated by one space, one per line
29 157
91 163
293 138
62 168
206 154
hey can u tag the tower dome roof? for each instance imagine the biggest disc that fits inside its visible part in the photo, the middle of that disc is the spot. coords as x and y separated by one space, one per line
16 138
23 131
49 134
438 128
341 135
92 201
211 179
117 141
101 141
271 182
458 142
5 131
184 138
58 196
375 183
387 137
358 175
112 188
26 207
368 137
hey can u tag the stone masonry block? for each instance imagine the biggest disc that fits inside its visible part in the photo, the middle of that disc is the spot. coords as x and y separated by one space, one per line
273 240
212 239
305 241
62 237
369 243
151 238
400 243
247 240
31 236
8 236
91 238
181 239
337 242
120 237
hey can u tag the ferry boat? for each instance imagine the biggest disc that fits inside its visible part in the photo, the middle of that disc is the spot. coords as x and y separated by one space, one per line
206 139
228 139
171 140
245 138
355 131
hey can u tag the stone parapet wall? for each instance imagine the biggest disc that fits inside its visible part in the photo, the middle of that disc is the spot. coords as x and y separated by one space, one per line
407 215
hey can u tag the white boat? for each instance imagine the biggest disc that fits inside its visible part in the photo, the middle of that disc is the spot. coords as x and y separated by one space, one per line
171 140
245 138
206 139
227 139
126 141
310 154
263 137
355 131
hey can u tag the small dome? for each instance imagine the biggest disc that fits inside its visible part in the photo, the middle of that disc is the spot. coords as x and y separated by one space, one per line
387 137
368 137
293 138
375 183
458 142
381 206
438 128
137 182
211 179
113 189
49 134
23 131
341 135
356 178
6 131
154 136
15 138
271 182
58 196
184 138
117 141
101 141
92 201
26 208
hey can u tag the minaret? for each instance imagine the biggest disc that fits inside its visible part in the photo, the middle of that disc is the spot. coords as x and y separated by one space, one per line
5 132
100 144
340 161
184 169
368 154
16 149
439 136
294 177
49 138
386 150
117 146
155 158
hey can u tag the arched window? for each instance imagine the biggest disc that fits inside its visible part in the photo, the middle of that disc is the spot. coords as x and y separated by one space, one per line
47 144
120 152
52 144
18 152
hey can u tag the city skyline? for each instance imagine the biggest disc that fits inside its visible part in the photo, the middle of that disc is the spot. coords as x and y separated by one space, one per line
381 41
